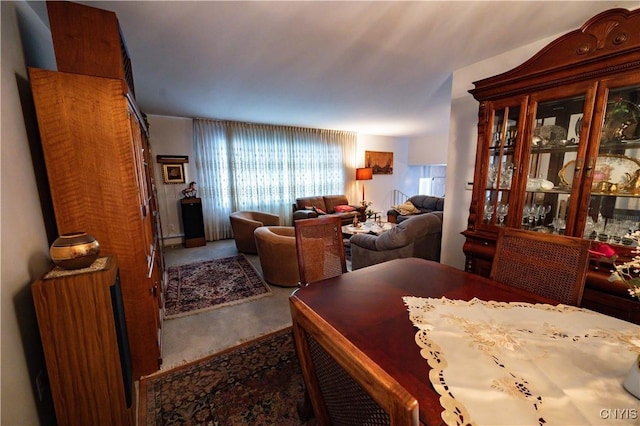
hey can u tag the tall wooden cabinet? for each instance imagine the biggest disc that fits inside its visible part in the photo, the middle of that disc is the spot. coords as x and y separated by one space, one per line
98 160
81 321
559 150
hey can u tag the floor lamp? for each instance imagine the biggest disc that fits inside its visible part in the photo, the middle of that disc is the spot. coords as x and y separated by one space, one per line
364 173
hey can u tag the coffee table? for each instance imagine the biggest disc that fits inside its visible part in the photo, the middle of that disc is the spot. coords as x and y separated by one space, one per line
366 228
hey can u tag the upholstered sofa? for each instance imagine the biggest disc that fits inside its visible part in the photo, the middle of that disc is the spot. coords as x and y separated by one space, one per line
416 236
336 205
418 204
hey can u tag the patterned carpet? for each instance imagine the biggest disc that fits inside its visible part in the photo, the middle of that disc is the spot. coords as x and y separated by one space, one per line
256 383
202 286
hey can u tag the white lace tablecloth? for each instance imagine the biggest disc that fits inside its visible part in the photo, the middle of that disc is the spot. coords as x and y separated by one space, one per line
523 364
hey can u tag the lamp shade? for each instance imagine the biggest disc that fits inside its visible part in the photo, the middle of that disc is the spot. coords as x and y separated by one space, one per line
364 173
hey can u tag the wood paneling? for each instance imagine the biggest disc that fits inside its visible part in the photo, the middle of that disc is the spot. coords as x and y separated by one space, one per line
93 168
78 331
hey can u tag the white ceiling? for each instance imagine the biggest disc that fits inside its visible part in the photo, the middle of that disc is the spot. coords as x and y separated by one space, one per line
373 67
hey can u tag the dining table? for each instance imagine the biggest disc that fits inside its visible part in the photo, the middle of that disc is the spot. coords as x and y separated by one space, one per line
474 351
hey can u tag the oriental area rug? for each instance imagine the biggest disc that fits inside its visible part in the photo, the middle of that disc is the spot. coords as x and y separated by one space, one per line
256 383
202 286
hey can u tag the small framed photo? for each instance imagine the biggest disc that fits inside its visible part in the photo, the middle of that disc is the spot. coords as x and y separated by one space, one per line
173 173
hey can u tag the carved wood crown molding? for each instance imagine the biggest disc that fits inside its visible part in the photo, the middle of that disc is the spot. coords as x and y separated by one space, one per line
606 34
610 29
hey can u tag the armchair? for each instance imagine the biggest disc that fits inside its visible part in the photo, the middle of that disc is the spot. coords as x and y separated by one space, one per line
277 251
416 236
243 225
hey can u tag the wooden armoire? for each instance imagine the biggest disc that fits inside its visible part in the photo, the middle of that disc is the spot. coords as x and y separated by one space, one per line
96 148
559 151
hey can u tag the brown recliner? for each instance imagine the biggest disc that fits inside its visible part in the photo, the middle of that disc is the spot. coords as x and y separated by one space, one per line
277 251
243 223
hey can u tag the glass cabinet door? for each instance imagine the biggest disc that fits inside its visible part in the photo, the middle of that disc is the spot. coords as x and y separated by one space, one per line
613 208
506 124
557 145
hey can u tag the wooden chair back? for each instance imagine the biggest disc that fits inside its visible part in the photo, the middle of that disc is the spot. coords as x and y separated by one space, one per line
319 248
554 266
345 386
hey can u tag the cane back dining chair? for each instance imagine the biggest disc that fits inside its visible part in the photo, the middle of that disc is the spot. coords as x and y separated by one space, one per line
554 266
344 386
319 248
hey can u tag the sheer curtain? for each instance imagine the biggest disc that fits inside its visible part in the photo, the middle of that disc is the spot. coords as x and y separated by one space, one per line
243 166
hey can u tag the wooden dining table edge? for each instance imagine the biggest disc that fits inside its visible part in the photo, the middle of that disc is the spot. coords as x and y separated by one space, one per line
429 414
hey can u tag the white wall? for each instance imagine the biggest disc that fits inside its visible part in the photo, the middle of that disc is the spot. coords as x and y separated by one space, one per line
379 190
429 149
171 136
27 227
462 145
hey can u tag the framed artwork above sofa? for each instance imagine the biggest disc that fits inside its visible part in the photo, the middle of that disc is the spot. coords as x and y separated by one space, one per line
381 162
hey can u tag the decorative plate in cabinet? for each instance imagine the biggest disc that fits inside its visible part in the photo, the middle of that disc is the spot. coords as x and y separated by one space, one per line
612 174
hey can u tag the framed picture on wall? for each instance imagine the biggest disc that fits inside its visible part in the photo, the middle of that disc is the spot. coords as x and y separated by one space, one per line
380 162
173 173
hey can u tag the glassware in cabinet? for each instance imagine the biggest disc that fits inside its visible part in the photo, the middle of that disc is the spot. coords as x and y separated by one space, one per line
557 136
613 209
505 126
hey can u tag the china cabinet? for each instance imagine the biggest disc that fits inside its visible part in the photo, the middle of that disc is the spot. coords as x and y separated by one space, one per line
559 150
96 148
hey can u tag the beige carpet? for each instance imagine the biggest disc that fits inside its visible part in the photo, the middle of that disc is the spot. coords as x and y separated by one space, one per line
192 337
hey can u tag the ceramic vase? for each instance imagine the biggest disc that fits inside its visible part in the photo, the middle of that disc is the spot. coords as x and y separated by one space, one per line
632 381
75 250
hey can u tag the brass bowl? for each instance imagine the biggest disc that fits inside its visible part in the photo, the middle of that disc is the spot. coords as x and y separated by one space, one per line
75 250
